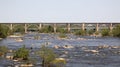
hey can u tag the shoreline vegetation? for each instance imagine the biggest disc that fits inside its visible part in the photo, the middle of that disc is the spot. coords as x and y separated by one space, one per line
6 32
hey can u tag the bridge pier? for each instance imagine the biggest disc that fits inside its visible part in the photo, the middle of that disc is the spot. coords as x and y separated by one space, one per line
40 26
11 26
83 26
25 28
55 27
111 27
97 27
68 27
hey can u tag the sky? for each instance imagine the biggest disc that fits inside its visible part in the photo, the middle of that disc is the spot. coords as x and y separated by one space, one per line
59 10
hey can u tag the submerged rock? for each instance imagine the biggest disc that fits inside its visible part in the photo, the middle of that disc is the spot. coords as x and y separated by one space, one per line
68 46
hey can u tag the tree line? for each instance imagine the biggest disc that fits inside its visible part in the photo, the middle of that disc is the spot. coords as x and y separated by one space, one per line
5 31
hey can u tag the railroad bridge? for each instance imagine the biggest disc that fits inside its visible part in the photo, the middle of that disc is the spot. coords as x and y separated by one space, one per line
68 26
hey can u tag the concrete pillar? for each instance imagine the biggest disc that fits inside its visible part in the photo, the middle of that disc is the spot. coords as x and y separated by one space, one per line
25 28
68 27
40 26
11 27
83 26
111 27
55 28
97 27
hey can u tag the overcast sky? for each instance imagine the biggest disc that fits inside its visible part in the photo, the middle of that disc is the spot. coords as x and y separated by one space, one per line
59 10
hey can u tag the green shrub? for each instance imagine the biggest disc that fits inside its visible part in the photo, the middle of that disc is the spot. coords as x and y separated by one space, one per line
81 32
19 28
105 32
22 53
61 30
47 29
62 35
3 50
116 31
96 33
90 32
4 30
47 55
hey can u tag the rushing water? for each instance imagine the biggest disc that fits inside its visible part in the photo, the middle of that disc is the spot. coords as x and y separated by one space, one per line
76 57
52 40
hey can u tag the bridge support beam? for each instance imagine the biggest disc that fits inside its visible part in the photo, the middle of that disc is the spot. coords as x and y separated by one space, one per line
40 26
83 26
97 27
11 27
25 28
68 27
55 27
111 27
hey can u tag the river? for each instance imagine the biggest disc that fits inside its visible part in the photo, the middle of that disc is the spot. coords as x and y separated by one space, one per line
52 39
77 56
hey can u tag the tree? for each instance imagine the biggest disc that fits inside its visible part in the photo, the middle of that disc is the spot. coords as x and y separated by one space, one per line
22 53
116 31
4 30
105 32
47 55
19 28
61 30
47 29
50 28
80 32
90 32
